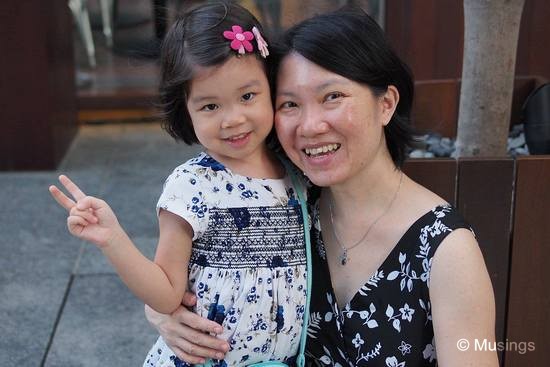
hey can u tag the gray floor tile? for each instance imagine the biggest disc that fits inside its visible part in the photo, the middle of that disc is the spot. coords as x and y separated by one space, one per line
28 309
34 233
102 325
134 199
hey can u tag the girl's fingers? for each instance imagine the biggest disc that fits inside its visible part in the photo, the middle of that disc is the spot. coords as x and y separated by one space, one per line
86 214
61 198
76 221
90 202
72 188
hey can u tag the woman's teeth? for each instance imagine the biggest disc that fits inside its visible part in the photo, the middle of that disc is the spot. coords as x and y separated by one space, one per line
322 150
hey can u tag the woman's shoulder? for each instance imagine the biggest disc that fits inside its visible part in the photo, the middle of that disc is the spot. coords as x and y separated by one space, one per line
422 200
431 219
443 226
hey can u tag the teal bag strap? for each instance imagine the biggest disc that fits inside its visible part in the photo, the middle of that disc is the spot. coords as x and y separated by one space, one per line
298 187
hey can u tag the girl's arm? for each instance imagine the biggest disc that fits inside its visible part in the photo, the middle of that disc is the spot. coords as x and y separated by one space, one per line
463 304
159 284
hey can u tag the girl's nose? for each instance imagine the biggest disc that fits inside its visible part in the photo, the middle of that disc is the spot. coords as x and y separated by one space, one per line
312 123
233 117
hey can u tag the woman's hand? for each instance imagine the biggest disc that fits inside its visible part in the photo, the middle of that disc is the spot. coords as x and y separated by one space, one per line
90 218
187 334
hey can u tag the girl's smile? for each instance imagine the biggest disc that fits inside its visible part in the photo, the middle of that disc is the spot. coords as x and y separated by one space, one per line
231 111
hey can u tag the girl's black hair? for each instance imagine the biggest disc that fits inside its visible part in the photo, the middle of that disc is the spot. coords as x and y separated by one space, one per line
350 43
196 40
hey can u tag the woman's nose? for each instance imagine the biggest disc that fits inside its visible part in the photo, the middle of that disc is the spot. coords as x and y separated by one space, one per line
233 117
312 123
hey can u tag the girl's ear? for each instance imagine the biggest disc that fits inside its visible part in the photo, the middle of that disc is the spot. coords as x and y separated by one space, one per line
389 101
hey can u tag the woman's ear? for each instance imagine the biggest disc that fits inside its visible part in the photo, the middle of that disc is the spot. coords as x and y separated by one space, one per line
389 101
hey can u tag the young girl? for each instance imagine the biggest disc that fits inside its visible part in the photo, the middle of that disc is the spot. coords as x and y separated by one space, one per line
231 229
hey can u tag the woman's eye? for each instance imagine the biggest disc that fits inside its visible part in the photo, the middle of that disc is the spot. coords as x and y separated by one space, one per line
333 96
288 104
248 96
209 107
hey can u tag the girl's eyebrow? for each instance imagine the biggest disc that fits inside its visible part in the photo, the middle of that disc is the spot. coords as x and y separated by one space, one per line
250 84
202 98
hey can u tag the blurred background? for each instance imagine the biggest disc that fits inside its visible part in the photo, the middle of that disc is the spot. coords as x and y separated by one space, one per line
78 86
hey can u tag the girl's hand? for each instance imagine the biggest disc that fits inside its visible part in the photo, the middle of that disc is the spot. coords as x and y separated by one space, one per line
90 218
187 334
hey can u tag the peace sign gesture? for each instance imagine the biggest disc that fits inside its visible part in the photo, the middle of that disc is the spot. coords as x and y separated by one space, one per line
90 218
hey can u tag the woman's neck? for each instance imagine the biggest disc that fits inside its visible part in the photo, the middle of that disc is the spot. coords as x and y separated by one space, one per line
370 190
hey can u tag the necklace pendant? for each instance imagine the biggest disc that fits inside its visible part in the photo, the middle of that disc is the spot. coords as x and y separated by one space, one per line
344 257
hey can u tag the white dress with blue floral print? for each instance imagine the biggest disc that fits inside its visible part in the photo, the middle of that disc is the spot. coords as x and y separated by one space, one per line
248 261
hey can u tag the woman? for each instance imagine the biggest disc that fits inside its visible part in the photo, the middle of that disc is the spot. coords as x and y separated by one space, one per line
396 269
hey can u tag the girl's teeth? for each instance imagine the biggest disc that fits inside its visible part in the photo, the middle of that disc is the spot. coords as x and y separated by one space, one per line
237 137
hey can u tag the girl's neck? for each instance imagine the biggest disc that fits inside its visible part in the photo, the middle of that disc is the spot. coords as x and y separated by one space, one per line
262 164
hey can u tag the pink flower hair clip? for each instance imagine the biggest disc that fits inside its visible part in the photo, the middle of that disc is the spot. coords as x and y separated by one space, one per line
240 41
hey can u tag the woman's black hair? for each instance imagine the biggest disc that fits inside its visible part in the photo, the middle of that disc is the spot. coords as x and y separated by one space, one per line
196 40
350 43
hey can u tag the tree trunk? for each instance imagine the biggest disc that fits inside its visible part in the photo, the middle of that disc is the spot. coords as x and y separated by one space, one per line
491 30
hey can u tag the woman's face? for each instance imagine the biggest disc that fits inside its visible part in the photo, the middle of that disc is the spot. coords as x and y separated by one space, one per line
330 126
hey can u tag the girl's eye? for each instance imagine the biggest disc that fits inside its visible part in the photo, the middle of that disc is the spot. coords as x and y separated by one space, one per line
333 96
209 107
287 105
248 96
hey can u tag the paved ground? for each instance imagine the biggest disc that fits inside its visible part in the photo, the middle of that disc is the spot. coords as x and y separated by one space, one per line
61 304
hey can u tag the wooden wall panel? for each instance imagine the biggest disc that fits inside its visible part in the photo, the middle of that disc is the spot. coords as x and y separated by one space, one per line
533 56
485 191
528 318
428 35
37 89
438 175
435 106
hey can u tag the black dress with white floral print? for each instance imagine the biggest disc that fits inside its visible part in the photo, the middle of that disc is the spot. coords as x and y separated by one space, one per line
388 322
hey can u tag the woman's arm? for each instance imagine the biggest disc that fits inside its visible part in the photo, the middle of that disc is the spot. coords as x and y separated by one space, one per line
463 304
188 334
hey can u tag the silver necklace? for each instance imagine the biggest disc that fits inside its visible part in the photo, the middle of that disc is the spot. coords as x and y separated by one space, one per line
344 255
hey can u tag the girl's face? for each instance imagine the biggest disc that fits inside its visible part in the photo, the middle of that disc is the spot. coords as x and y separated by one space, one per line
329 126
231 111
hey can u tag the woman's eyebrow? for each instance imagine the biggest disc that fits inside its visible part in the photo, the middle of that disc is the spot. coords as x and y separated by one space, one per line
329 83
316 88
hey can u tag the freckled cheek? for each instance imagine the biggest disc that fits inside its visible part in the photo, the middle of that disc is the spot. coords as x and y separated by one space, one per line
346 116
